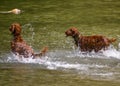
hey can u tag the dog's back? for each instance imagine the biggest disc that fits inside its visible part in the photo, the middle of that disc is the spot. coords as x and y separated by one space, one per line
95 42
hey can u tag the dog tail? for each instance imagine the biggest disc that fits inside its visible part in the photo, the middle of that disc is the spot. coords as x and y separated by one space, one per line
42 52
112 40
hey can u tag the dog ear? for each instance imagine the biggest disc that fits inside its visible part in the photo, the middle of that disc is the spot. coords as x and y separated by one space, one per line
15 29
75 31
12 28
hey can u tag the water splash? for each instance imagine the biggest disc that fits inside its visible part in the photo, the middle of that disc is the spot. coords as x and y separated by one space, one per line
65 59
28 28
104 64
15 58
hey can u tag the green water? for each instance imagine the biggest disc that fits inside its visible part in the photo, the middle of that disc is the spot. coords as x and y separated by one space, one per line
49 19
29 75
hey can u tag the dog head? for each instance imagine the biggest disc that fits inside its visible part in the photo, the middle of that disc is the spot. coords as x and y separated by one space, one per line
15 29
72 32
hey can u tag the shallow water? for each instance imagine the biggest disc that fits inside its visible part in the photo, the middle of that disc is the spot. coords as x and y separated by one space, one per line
44 24
61 64
98 66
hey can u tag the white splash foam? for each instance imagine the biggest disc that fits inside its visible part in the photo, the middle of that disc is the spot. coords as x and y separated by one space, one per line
75 61
104 74
112 53
63 65
54 64
16 58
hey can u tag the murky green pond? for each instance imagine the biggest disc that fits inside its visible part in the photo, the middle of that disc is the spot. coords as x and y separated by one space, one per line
44 23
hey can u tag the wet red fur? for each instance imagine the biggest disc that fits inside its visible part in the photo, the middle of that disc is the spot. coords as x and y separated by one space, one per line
89 43
19 46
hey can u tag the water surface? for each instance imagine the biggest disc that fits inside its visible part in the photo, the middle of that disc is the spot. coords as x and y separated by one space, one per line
44 23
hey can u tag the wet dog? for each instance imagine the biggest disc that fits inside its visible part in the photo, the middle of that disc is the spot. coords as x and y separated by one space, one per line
19 46
89 43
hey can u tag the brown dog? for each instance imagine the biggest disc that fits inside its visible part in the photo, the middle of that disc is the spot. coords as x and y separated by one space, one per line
89 43
19 46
